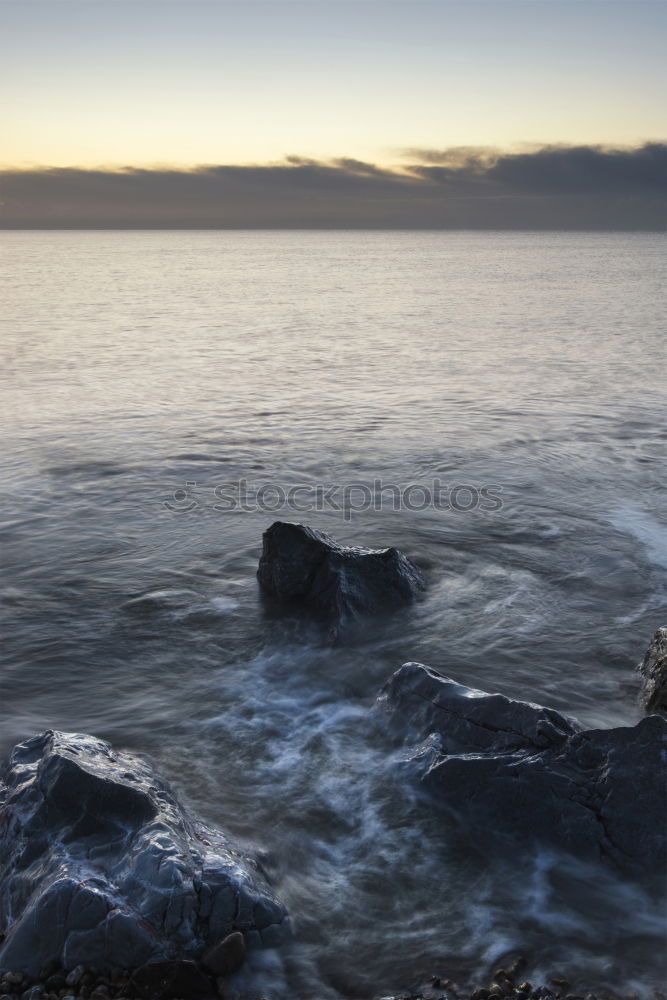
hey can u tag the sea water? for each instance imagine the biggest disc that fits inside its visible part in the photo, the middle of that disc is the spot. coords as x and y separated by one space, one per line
162 392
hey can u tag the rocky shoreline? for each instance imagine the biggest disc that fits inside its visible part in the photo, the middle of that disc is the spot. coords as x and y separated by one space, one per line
508 980
110 888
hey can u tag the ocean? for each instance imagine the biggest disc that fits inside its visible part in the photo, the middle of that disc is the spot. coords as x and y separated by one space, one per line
492 404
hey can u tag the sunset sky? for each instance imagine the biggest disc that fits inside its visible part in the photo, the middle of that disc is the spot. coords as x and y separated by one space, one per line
343 113
118 82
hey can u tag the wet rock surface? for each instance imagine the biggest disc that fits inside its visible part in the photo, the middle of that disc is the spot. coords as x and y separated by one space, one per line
100 866
653 670
303 567
596 794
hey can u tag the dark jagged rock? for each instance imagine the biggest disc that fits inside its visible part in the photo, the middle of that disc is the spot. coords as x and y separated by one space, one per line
653 669
301 566
508 769
101 866
469 720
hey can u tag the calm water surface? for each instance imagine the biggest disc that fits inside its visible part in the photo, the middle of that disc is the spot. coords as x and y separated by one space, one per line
143 371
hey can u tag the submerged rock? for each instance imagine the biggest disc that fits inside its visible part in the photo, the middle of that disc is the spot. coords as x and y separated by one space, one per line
512 770
101 866
301 566
653 669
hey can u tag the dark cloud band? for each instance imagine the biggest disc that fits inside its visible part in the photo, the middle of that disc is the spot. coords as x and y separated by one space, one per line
583 187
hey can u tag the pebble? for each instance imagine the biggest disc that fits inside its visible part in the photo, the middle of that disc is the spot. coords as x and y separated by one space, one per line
84 984
55 982
74 977
34 993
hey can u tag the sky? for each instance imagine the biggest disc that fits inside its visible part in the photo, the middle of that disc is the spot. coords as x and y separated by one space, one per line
172 85
116 82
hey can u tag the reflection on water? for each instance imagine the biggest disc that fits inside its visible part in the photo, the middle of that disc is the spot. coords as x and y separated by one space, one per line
138 363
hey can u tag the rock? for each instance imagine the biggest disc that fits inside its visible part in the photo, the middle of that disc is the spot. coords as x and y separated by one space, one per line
422 700
301 566
74 977
170 979
100 864
597 794
100 993
653 669
227 956
50 969
161 980
54 982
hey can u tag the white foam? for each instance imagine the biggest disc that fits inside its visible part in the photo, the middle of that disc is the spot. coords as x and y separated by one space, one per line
352 845
224 603
645 528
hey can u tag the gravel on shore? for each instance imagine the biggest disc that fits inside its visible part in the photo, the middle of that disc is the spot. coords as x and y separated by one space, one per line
80 983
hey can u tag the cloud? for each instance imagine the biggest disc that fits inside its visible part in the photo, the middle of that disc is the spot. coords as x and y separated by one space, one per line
455 157
555 187
586 170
